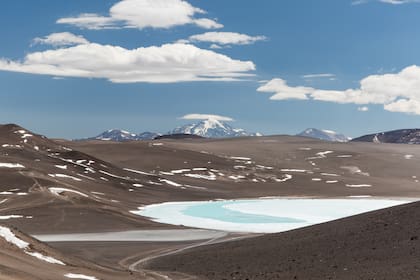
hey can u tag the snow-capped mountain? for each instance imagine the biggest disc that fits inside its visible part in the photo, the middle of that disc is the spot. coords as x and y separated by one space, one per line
326 135
212 128
115 135
122 135
401 136
147 135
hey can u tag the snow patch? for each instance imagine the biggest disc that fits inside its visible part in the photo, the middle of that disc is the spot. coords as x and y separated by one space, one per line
11 146
115 176
171 183
10 237
358 186
293 170
236 177
330 174
210 177
79 276
64 167
65 176
324 154
45 258
241 158
10 217
59 191
138 171
262 167
200 169
11 165
180 171
286 177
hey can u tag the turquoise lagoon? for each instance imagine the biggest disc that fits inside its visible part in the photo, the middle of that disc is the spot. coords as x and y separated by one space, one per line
261 215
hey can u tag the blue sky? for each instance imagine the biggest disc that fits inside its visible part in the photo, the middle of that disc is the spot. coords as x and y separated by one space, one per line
349 41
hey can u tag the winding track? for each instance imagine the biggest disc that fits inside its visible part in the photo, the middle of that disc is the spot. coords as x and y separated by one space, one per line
136 266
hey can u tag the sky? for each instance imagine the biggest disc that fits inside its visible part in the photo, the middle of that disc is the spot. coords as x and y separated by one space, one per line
72 69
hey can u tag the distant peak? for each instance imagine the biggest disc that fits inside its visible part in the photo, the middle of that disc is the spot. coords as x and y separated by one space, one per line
211 128
324 134
123 135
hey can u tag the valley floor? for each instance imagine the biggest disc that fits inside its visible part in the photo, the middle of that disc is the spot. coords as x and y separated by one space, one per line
62 187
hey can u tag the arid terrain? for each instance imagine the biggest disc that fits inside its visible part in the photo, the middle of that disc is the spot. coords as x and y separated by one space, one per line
66 187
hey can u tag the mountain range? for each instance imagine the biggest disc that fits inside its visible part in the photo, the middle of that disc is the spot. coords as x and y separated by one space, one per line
218 129
207 128
123 135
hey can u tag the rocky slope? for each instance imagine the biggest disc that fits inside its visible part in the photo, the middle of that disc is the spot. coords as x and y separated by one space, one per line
401 136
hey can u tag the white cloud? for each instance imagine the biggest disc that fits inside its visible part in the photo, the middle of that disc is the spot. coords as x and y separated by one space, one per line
399 92
90 21
363 109
393 2
226 38
411 106
182 41
322 75
397 2
215 46
143 14
283 91
206 117
207 23
61 39
168 63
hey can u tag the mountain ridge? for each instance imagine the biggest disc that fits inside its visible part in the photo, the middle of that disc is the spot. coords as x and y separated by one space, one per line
323 134
399 136
210 128
120 135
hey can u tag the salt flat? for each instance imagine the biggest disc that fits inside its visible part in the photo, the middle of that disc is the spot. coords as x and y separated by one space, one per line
169 235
